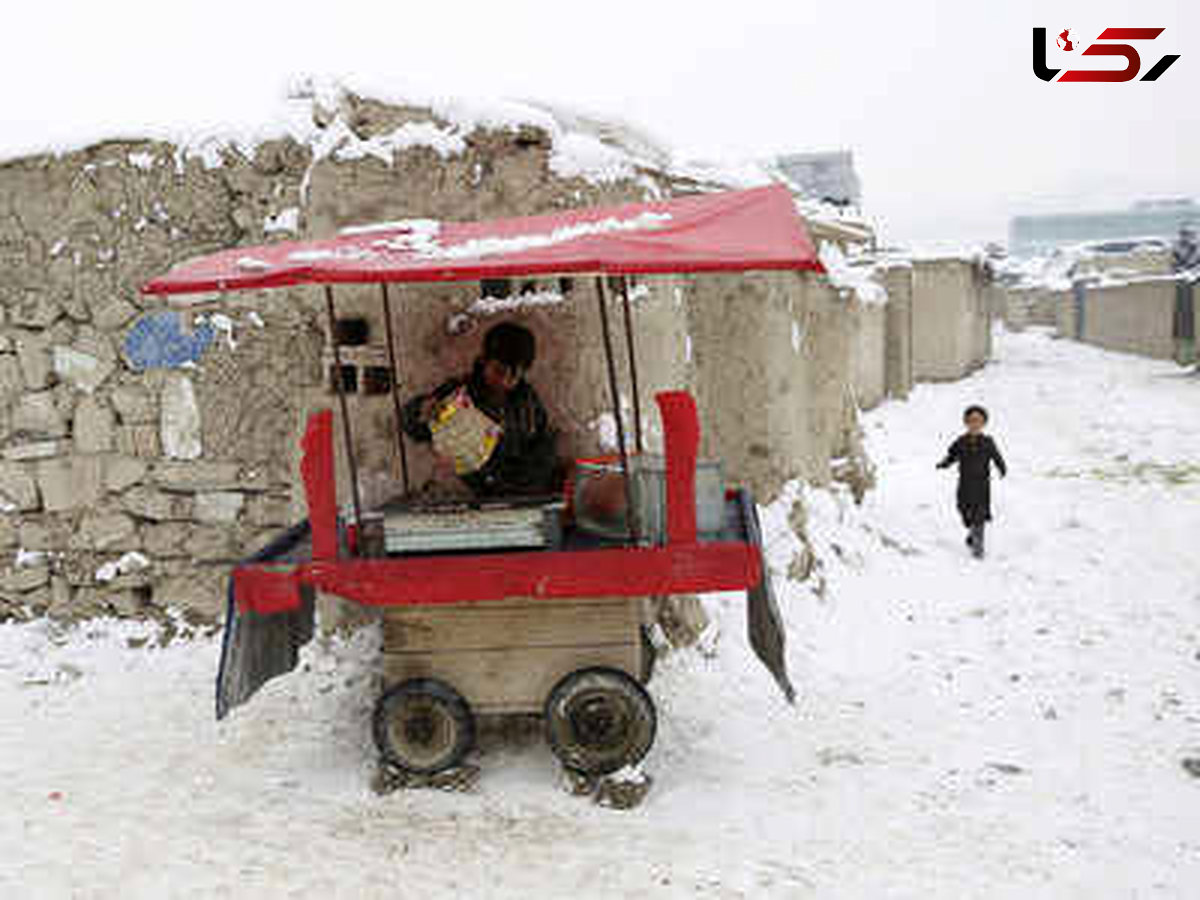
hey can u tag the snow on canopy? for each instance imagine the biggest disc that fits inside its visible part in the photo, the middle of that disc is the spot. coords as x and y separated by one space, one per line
729 231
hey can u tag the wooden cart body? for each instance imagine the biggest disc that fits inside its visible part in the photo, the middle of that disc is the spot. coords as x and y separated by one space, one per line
507 655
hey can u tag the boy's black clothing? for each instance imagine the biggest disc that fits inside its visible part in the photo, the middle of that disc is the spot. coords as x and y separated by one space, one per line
974 455
524 462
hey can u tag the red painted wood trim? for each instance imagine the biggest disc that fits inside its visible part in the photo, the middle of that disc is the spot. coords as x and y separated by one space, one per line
264 588
427 580
681 434
320 488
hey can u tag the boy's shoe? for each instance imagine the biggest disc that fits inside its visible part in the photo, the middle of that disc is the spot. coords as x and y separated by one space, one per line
975 540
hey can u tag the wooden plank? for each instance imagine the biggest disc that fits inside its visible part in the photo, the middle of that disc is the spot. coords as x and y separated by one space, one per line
512 624
509 680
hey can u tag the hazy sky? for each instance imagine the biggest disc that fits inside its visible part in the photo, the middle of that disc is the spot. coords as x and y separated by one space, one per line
951 131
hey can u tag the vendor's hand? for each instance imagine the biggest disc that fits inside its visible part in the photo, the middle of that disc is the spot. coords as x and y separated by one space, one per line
428 405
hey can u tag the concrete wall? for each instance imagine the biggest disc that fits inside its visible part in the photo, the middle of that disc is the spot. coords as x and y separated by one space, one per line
1031 306
870 354
882 340
951 325
996 298
1065 318
775 386
898 352
1135 317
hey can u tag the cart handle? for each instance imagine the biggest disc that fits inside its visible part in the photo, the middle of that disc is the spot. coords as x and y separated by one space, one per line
320 487
681 436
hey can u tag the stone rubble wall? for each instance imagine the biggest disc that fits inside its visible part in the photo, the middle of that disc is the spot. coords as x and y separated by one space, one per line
146 445
439 328
128 490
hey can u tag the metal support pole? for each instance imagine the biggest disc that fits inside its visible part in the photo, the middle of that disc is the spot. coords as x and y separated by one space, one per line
616 402
341 392
391 340
633 369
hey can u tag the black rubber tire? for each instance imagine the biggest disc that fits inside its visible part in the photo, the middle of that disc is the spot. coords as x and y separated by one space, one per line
599 720
423 726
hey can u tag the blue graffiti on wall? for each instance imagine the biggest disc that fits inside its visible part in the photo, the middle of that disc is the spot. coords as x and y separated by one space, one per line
158 341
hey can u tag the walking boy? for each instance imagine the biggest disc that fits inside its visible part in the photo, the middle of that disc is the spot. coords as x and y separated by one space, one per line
974 452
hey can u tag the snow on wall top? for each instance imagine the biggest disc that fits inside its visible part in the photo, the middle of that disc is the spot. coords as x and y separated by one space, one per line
580 146
315 114
1098 263
844 273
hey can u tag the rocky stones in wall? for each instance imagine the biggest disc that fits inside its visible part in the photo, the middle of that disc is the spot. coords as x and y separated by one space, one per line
37 416
33 357
70 483
180 419
93 401
18 489
82 371
219 507
128 426
135 405
94 426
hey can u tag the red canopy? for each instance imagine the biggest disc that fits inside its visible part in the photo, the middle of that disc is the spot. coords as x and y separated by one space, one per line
731 231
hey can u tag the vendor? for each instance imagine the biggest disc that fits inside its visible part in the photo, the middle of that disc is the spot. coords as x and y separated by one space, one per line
523 462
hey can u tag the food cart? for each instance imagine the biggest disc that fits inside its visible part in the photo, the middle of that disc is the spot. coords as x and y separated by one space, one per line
505 608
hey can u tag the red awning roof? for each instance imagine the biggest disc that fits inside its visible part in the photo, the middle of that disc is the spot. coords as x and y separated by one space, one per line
731 231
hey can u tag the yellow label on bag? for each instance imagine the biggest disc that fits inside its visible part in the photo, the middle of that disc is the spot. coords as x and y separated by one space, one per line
464 433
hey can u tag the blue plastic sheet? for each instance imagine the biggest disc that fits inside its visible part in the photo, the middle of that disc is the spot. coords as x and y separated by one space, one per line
159 340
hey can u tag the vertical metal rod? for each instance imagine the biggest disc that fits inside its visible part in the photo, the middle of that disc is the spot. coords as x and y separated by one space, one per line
341 392
391 340
631 513
633 369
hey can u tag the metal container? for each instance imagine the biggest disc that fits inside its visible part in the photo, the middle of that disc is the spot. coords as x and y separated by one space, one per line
599 499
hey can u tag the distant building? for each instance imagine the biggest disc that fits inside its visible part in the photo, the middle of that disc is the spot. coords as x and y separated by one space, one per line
1032 235
826 177
828 195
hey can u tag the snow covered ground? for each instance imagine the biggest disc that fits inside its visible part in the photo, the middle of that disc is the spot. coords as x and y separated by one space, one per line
1006 728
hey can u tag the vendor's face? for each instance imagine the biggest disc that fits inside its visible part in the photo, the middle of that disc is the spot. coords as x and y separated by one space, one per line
499 377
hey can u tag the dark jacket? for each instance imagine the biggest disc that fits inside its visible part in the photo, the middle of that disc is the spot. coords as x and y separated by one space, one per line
524 462
974 455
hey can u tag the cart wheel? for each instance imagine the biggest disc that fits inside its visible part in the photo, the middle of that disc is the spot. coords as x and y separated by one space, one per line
423 726
598 720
